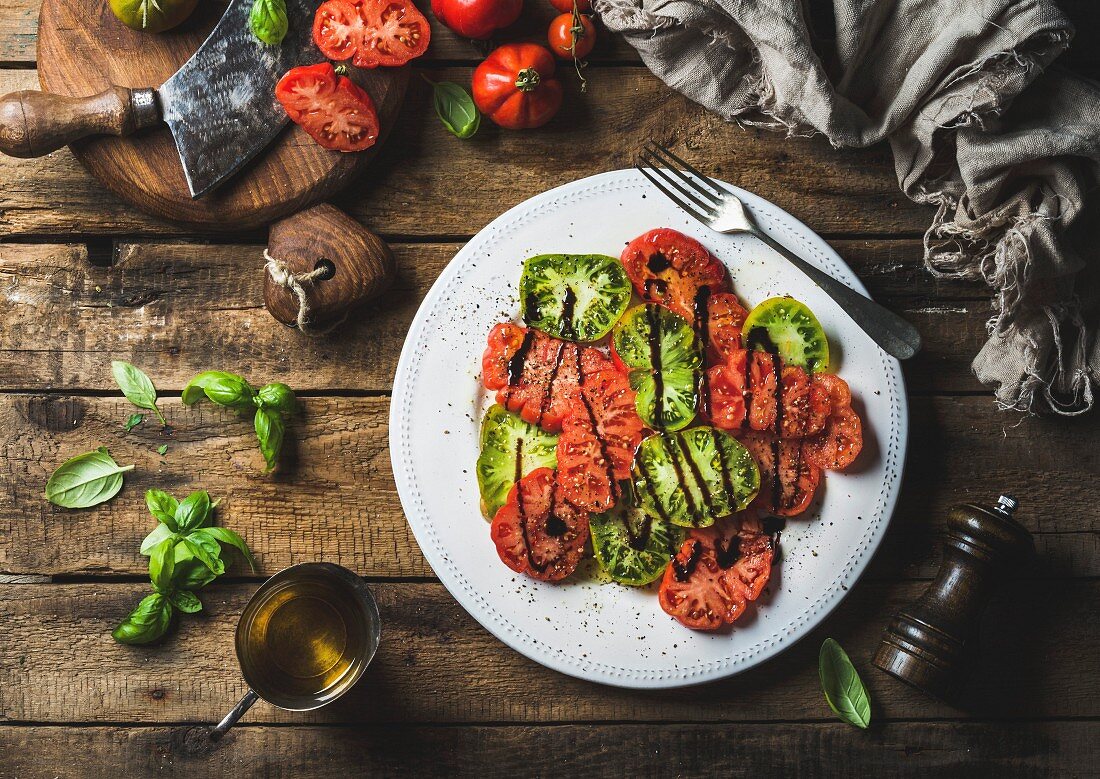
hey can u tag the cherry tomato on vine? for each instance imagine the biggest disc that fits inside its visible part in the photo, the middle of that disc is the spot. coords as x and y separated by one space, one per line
572 36
515 87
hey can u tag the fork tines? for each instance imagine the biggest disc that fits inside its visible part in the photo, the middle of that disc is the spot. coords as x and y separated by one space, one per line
697 194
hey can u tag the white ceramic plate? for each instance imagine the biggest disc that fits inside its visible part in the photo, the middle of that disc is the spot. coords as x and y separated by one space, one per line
600 631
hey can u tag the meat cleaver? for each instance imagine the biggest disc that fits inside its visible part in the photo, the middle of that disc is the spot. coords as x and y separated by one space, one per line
220 106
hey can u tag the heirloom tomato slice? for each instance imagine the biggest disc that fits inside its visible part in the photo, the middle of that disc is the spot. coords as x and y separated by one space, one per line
839 444
538 532
371 32
715 574
788 327
693 477
333 109
784 399
578 297
631 546
663 357
788 479
719 321
510 449
675 270
537 376
723 391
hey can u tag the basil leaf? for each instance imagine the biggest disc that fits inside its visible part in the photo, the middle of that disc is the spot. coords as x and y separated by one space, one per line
162 563
162 506
268 21
194 511
455 108
133 421
191 574
207 551
162 449
269 430
227 536
279 397
137 387
185 601
844 690
225 389
86 480
160 532
147 622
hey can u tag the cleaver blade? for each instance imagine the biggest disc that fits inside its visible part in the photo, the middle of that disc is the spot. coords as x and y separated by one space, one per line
220 106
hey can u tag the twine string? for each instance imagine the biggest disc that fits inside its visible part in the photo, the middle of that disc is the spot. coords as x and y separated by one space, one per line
296 283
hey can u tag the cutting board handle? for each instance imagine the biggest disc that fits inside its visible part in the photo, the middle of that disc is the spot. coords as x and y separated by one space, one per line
35 123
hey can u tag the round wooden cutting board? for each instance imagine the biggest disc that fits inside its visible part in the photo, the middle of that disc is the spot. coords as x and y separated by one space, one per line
83 49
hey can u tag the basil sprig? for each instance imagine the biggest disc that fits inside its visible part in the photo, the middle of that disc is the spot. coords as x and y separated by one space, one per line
185 553
86 480
270 405
138 389
455 108
844 690
268 21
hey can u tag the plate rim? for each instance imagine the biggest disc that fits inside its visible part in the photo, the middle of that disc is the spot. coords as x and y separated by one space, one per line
590 670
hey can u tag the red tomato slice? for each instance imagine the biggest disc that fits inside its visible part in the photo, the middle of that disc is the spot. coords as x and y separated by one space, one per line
839 444
762 390
371 32
717 571
798 409
788 479
537 532
723 392
669 268
333 110
598 441
537 376
726 317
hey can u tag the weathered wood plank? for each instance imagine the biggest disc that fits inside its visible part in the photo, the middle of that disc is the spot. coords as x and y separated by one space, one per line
178 309
468 183
823 750
58 663
334 497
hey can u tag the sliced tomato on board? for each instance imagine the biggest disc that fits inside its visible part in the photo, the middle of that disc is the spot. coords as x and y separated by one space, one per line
788 480
537 376
715 574
723 392
537 532
670 268
598 441
335 111
371 32
839 444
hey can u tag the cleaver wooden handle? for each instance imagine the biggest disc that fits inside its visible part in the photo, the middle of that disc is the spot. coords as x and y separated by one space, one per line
34 123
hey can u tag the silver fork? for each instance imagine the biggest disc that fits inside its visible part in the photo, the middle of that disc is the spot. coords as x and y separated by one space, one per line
718 207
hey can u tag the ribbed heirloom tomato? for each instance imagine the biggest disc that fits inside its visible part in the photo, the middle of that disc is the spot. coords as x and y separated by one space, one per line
515 87
371 32
477 19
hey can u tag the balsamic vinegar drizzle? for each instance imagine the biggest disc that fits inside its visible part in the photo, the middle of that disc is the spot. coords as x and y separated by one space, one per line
683 572
652 492
609 466
519 459
696 473
638 541
549 391
727 480
567 306
758 336
519 359
702 329
521 505
728 553
654 336
658 262
531 311
658 285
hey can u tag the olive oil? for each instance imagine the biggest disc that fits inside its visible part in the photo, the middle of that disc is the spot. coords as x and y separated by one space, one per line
305 638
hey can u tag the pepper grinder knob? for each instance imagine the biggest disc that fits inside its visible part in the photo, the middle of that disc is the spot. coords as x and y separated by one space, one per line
933 643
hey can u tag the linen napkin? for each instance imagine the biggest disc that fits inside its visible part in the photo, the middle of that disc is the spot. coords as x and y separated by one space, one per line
1005 148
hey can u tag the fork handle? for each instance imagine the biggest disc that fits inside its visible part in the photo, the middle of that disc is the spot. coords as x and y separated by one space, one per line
897 337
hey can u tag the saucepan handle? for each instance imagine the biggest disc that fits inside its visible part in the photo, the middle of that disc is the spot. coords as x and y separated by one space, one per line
35 123
231 718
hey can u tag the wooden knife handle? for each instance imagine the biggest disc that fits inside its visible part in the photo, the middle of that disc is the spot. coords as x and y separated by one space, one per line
34 123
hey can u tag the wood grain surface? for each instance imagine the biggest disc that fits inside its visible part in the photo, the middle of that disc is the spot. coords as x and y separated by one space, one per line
83 49
85 279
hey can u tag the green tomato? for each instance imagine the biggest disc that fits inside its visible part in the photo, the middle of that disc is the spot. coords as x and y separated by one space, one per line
510 447
152 15
578 297
631 546
789 327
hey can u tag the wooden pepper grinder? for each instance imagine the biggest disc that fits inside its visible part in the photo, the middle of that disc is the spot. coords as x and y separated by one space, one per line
321 265
933 643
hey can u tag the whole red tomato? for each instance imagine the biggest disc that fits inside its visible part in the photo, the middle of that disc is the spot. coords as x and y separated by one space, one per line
477 19
572 36
566 6
515 87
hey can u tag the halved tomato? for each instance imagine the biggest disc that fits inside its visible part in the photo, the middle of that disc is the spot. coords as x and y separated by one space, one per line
598 441
723 391
371 32
786 402
537 376
670 268
537 532
788 479
335 112
839 444
717 571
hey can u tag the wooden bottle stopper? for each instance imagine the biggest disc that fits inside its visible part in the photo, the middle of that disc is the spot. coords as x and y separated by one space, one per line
933 643
321 265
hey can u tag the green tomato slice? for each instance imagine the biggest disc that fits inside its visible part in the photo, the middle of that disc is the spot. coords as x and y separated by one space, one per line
631 546
664 358
510 449
694 477
789 327
578 297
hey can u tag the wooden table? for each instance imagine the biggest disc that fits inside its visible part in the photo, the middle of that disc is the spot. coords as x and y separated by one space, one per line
86 279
